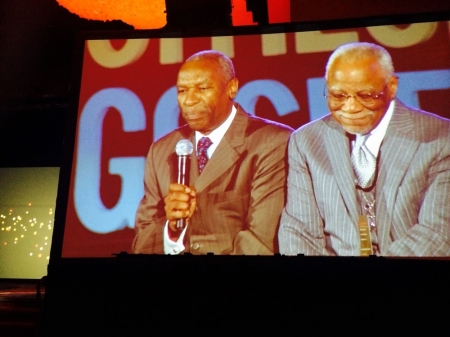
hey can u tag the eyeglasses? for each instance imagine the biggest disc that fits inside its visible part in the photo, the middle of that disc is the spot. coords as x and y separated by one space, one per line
366 99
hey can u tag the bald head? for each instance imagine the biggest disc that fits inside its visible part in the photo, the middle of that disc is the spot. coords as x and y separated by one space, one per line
225 65
359 51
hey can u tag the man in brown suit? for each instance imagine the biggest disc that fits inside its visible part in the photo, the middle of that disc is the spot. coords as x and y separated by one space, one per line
234 205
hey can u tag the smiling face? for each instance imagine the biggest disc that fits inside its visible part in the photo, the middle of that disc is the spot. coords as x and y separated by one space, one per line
362 76
205 95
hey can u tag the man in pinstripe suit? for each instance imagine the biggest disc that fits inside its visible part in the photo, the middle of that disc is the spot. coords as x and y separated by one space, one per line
233 205
408 200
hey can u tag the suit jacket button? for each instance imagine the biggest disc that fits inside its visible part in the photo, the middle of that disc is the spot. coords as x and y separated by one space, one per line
195 246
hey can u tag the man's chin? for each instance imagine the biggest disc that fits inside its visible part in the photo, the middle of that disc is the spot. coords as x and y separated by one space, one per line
356 130
196 125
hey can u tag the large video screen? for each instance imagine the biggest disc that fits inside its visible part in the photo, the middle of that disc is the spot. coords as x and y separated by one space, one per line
126 99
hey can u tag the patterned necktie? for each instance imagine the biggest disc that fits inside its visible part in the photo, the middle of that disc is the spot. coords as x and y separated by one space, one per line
363 161
202 157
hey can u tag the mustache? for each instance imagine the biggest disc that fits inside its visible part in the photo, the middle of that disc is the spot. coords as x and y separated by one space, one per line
356 115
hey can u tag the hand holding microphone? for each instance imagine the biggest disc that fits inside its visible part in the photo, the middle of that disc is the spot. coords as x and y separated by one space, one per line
180 201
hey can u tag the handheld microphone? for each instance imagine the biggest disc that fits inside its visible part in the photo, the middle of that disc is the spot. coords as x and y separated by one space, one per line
184 149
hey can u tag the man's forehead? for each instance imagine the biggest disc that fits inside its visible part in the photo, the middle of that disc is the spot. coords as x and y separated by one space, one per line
201 63
354 72
199 73
194 77
364 63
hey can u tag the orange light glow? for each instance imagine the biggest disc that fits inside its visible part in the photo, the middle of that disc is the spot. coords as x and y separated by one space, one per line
141 14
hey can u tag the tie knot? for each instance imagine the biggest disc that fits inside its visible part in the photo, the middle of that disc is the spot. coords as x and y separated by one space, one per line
203 144
361 139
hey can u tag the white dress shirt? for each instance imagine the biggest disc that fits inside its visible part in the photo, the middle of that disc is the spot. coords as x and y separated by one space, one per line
373 143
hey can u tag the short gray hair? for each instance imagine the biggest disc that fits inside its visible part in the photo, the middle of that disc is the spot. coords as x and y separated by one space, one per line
359 50
226 65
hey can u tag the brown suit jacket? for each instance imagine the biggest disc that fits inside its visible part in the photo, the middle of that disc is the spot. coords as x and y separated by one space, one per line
240 193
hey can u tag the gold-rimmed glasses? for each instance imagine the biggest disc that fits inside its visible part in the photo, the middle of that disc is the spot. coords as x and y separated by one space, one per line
365 98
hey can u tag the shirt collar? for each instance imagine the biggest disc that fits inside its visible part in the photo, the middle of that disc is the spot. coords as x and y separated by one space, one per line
217 134
373 143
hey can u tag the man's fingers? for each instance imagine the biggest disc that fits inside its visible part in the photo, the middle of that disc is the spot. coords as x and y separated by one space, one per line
175 214
179 206
180 202
178 196
179 188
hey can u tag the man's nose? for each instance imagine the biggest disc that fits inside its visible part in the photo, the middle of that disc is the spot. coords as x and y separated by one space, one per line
191 97
351 104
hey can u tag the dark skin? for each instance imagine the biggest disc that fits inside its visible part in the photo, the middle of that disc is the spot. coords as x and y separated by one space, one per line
205 98
363 76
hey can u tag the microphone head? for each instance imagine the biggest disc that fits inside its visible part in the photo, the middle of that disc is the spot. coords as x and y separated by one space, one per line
184 147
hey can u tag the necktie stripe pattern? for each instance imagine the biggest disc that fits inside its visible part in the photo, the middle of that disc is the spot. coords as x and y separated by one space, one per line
202 157
363 161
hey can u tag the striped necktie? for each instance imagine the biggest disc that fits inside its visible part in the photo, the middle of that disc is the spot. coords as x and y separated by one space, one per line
363 162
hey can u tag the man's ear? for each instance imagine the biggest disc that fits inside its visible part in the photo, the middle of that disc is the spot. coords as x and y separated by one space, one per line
233 87
393 84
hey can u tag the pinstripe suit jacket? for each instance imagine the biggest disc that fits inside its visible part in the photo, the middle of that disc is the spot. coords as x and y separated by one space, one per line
412 189
240 193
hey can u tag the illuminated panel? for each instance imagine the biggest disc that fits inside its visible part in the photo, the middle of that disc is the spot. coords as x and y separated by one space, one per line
27 209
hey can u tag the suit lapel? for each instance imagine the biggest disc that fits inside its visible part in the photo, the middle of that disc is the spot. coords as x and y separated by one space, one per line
226 153
396 153
337 147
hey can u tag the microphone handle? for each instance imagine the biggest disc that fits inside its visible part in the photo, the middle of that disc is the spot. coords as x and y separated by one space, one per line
183 170
181 224
183 178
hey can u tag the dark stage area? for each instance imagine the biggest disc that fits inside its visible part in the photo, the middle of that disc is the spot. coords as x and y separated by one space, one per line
21 307
135 294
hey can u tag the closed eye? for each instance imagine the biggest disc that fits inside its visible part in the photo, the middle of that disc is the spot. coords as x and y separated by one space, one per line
365 96
338 96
